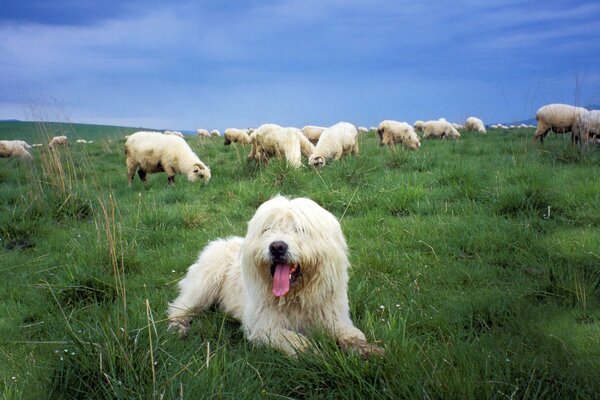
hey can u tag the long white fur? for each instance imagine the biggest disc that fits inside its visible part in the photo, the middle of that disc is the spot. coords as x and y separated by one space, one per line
391 132
271 140
235 274
14 148
474 124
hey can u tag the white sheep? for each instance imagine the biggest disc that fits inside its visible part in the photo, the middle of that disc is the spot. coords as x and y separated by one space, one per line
23 143
271 140
202 133
362 129
335 142
37 145
14 148
313 133
474 124
81 141
438 130
151 152
215 133
58 141
457 126
392 132
558 118
234 135
587 125
174 133
418 125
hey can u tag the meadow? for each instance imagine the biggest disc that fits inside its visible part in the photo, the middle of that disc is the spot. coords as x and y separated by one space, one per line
475 264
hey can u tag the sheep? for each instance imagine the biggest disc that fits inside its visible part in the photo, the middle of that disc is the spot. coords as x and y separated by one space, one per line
215 133
14 148
392 132
174 133
558 118
234 135
151 152
37 145
271 140
202 133
457 126
438 129
362 129
474 124
313 133
335 142
418 125
81 141
58 141
23 143
587 125
373 129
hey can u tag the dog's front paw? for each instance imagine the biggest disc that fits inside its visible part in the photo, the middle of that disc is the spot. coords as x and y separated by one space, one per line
180 326
363 348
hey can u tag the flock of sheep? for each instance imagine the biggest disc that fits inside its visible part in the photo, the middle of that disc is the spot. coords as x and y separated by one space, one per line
152 152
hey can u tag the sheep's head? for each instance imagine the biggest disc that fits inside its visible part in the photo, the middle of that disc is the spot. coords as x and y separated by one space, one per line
316 161
199 171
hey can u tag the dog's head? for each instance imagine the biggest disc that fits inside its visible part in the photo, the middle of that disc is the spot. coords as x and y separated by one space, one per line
292 245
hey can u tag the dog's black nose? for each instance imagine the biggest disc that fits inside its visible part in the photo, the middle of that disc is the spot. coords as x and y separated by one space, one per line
278 248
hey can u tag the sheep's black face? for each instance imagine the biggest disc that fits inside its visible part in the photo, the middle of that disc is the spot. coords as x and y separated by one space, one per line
227 142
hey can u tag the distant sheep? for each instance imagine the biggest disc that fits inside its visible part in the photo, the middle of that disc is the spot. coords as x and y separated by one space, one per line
215 133
558 118
271 140
313 133
335 142
418 125
202 133
474 124
151 152
439 130
234 135
174 133
392 132
23 143
457 126
362 129
14 148
81 141
58 141
37 145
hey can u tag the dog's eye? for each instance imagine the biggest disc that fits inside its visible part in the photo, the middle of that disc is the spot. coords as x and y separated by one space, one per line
266 229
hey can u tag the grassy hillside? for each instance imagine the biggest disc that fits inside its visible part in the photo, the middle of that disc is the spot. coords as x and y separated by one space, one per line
40 132
476 265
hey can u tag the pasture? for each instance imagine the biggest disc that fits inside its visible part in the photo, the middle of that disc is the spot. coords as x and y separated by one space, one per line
475 263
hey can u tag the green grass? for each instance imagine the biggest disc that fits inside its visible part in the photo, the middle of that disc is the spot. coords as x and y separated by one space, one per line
476 264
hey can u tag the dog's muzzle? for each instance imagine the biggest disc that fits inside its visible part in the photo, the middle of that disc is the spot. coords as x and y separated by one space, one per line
284 273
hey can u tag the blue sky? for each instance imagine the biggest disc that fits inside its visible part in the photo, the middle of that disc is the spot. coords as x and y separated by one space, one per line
217 64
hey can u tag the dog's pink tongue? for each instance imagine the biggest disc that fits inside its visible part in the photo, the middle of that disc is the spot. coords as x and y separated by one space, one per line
281 280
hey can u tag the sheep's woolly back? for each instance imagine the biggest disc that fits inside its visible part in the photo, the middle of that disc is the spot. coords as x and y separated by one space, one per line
313 133
271 140
202 132
58 140
439 129
559 116
151 149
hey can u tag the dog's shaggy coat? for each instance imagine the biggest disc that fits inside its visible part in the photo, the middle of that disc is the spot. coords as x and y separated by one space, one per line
289 275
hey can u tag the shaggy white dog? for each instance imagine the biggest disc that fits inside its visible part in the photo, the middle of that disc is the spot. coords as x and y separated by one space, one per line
287 276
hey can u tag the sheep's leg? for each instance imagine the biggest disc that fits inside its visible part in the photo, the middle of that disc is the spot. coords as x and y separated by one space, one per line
171 180
170 175
131 167
541 131
354 150
142 175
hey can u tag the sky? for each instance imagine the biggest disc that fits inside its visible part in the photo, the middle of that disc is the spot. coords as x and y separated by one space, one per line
216 64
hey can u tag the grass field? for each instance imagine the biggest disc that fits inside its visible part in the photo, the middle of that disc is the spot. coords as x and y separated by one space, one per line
476 264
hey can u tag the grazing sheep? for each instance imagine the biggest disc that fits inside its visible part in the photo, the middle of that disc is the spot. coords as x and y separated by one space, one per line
14 148
362 129
215 133
37 145
234 135
558 118
81 141
392 132
439 130
474 124
373 129
58 141
174 133
151 152
335 142
313 133
23 143
588 126
271 140
202 133
418 125
457 126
